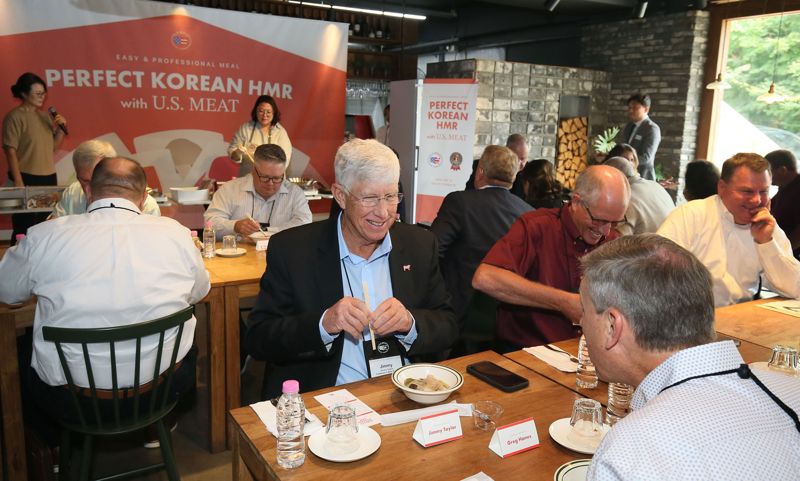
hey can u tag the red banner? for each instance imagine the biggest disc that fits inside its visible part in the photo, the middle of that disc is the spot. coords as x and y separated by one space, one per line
170 90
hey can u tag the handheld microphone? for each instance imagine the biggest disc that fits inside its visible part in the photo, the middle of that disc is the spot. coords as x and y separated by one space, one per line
53 112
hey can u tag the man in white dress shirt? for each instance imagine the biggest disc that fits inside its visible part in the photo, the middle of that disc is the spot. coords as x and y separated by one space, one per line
735 236
109 267
84 158
263 197
698 412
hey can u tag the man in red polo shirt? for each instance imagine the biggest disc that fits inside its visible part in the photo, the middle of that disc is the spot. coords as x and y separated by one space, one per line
534 269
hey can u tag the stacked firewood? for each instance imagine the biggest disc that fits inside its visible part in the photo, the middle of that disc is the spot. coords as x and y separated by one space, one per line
573 142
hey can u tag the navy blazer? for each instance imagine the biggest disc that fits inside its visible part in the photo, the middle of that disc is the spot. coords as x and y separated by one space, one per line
468 224
303 279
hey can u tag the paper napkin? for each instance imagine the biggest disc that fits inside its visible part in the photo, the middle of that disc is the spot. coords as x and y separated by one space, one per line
557 360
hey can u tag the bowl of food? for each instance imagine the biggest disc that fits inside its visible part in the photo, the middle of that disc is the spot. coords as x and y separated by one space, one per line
427 383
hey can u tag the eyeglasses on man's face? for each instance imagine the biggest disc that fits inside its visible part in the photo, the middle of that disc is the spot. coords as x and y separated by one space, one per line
374 200
601 222
267 179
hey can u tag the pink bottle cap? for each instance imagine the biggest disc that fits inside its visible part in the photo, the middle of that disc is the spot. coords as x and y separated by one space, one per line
19 237
194 233
291 386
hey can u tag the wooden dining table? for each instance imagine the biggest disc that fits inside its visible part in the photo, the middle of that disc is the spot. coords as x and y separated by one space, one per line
232 278
750 352
767 328
400 457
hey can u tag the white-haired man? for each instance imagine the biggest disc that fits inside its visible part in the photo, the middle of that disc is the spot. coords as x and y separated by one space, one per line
329 282
84 159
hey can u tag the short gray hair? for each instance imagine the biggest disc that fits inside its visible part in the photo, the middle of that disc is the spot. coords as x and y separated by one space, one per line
366 161
590 182
499 163
622 164
662 289
88 153
270 153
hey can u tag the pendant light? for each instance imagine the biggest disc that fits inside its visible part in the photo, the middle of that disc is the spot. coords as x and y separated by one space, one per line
718 84
771 96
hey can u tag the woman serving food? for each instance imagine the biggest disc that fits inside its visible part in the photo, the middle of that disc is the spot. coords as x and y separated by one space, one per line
263 128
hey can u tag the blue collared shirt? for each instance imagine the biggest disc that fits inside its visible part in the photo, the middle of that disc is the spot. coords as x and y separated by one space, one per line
355 272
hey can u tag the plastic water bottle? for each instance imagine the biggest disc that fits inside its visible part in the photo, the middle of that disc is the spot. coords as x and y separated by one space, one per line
196 241
18 238
291 417
209 241
619 402
586 377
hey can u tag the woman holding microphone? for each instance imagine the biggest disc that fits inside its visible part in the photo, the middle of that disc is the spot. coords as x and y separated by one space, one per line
263 128
30 137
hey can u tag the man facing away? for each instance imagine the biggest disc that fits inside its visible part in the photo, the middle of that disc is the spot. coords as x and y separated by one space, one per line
642 134
330 283
469 222
785 205
650 203
262 198
698 412
84 159
109 267
735 236
533 270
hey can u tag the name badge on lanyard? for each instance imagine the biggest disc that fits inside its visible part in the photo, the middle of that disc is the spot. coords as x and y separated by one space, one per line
387 356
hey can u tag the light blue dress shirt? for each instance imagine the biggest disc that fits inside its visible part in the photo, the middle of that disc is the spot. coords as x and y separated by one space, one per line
375 272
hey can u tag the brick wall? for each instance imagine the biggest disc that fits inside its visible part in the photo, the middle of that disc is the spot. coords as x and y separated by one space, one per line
524 98
663 56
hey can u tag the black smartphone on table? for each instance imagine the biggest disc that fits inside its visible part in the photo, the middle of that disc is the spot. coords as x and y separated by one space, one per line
497 376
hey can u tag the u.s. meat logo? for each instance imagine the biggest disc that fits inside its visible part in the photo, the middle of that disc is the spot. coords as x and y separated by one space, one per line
181 40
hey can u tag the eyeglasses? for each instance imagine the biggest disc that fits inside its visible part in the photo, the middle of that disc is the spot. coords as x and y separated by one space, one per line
39 93
373 200
268 179
600 222
264 112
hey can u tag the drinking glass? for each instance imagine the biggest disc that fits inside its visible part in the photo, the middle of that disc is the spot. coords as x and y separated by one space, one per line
485 414
784 358
342 429
229 243
586 421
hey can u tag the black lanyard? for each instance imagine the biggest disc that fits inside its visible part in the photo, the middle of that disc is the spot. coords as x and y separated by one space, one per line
112 206
271 208
744 372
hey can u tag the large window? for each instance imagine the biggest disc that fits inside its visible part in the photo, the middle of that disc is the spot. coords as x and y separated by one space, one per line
758 48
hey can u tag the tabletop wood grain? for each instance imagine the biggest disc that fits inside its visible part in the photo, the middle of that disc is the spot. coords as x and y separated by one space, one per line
760 326
400 457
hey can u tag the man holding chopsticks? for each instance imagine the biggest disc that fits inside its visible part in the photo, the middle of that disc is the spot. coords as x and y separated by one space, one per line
354 296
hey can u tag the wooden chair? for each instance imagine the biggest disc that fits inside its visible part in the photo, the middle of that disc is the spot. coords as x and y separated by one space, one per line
120 410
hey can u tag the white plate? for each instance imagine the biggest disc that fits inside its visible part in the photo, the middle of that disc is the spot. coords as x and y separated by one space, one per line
369 442
559 431
257 236
240 251
575 470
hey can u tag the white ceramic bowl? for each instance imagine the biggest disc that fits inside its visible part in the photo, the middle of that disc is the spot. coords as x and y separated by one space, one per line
451 377
188 194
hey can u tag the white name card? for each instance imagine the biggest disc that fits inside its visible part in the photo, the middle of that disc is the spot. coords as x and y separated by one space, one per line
262 245
514 438
438 428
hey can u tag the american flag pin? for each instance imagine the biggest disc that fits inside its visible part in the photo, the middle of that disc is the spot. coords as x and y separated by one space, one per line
407 268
